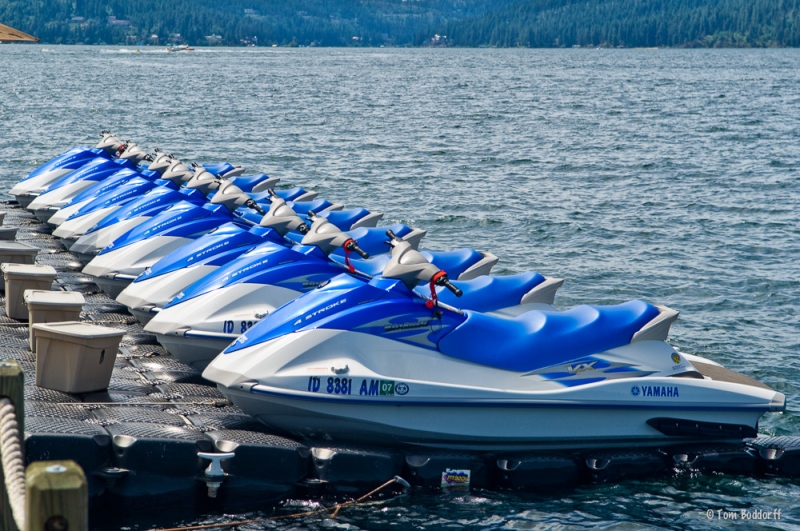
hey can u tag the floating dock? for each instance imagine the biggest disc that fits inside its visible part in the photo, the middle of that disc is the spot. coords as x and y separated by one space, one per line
143 442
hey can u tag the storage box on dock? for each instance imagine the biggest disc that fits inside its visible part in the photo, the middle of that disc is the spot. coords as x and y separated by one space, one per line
51 307
16 253
75 357
8 233
20 277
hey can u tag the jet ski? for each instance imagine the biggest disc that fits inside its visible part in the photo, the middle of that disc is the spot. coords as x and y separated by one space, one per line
377 362
51 200
120 221
129 255
160 164
205 317
92 175
281 227
29 188
77 217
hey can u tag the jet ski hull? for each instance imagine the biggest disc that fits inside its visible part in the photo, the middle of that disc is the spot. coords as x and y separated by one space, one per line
345 386
115 270
158 291
480 426
91 243
197 330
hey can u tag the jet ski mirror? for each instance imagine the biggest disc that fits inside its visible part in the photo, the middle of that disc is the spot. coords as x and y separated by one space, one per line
328 237
232 197
281 217
410 266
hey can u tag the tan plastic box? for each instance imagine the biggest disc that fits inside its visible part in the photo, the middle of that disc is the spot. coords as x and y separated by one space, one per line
16 253
75 357
18 278
51 307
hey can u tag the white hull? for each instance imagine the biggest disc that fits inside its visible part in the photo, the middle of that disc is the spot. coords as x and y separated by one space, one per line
46 205
196 330
75 228
114 270
93 243
343 385
197 352
158 291
476 426
26 191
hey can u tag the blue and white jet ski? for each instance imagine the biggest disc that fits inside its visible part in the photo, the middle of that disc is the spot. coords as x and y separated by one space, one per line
132 214
95 178
160 165
29 187
206 316
75 218
128 256
281 227
377 362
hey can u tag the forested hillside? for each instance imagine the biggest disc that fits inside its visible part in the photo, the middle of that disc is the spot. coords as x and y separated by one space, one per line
536 23
628 23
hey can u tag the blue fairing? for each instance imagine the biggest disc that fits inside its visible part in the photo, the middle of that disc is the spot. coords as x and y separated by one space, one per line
156 200
96 169
537 339
218 168
487 293
381 307
247 268
247 182
287 195
133 189
218 247
183 219
72 160
110 183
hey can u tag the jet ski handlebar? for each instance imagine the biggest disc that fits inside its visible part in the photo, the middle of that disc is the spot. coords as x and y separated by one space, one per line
251 203
440 279
352 246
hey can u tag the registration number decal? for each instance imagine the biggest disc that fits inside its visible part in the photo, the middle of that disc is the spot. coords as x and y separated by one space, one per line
367 387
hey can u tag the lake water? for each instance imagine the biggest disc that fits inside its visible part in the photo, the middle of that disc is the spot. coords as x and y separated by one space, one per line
667 175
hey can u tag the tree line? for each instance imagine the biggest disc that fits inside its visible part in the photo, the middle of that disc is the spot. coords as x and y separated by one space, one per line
502 23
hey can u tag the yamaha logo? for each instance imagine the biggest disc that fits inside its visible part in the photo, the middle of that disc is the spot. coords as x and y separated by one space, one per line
401 388
635 390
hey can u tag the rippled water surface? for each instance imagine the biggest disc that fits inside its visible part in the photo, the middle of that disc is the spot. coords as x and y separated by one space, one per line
668 175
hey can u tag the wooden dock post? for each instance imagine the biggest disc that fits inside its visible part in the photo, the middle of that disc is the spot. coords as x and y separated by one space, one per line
57 497
11 386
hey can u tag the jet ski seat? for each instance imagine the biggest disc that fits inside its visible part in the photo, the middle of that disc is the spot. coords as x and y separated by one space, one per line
486 293
538 339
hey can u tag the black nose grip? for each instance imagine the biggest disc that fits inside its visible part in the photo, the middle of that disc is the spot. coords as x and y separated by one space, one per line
353 247
444 281
255 206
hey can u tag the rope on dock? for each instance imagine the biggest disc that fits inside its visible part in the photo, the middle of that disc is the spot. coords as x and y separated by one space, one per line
12 462
336 508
